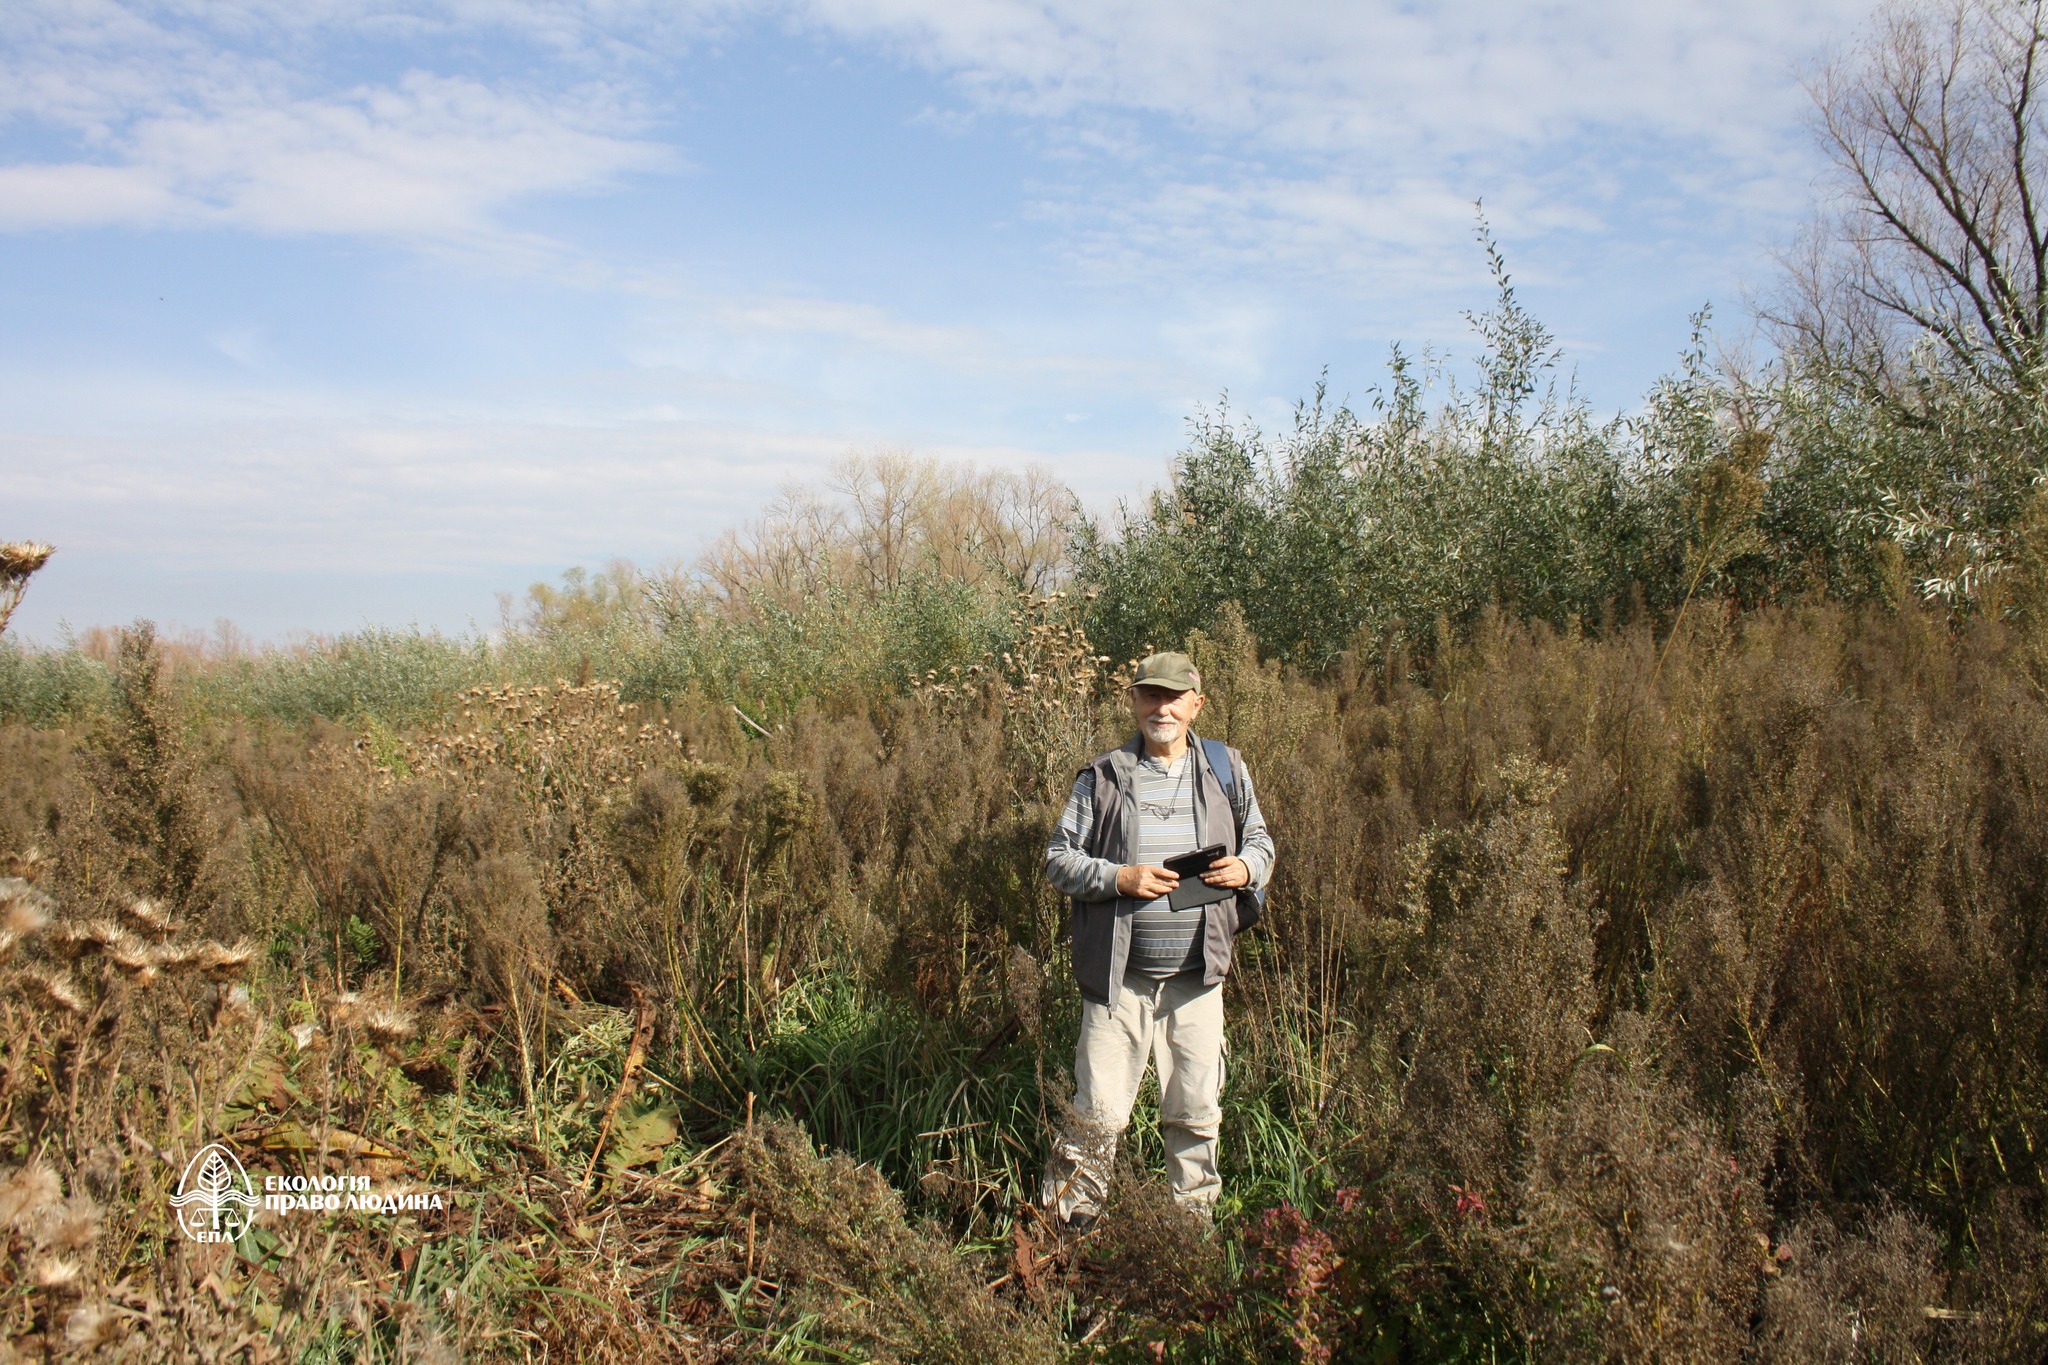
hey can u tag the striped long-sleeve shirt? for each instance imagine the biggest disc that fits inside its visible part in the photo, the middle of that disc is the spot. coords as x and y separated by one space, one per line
1164 941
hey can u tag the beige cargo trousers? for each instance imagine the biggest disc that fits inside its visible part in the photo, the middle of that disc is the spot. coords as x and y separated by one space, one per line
1176 1023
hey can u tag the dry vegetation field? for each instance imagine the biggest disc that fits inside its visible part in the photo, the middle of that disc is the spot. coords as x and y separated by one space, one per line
1625 997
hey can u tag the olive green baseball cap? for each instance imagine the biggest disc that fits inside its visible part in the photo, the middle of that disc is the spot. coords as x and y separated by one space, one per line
1176 672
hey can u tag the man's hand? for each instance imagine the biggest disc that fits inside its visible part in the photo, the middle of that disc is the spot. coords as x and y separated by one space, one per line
1143 882
1228 872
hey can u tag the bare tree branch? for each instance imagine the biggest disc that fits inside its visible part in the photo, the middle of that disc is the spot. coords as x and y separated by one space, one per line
1934 231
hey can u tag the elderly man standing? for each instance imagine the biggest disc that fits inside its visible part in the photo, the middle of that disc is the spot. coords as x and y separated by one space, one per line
1151 974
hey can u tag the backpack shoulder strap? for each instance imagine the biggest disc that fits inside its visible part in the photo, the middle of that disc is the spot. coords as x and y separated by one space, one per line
1218 754
1252 900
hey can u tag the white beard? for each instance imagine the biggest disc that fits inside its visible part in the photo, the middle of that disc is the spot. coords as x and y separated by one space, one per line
1161 730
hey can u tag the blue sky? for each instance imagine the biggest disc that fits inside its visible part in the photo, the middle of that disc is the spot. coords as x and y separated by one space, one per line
319 313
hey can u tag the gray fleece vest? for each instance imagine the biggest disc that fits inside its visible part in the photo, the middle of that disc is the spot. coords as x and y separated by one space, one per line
1102 929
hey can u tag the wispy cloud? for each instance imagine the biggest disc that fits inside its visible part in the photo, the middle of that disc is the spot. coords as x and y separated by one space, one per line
1311 118
233 117
431 156
1380 75
1350 140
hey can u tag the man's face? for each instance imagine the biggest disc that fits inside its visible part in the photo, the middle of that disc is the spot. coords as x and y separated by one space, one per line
1164 715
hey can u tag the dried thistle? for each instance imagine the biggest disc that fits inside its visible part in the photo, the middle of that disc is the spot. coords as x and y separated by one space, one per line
29 866
235 1005
57 1275
149 918
57 989
23 909
176 957
91 1325
135 961
19 560
76 1224
386 1025
220 961
25 1194
75 938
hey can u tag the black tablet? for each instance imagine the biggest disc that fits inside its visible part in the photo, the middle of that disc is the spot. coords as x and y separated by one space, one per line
1193 891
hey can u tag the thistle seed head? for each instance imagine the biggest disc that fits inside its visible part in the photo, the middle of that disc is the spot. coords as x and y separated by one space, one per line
90 1325
386 1025
76 938
176 957
221 962
28 866
25 1194
20 558
23 909
57 1275
149 919
76 1225
235 1004
135 961
56 988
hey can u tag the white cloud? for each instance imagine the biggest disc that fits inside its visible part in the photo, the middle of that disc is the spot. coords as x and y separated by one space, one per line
178 120
80 195
430 156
